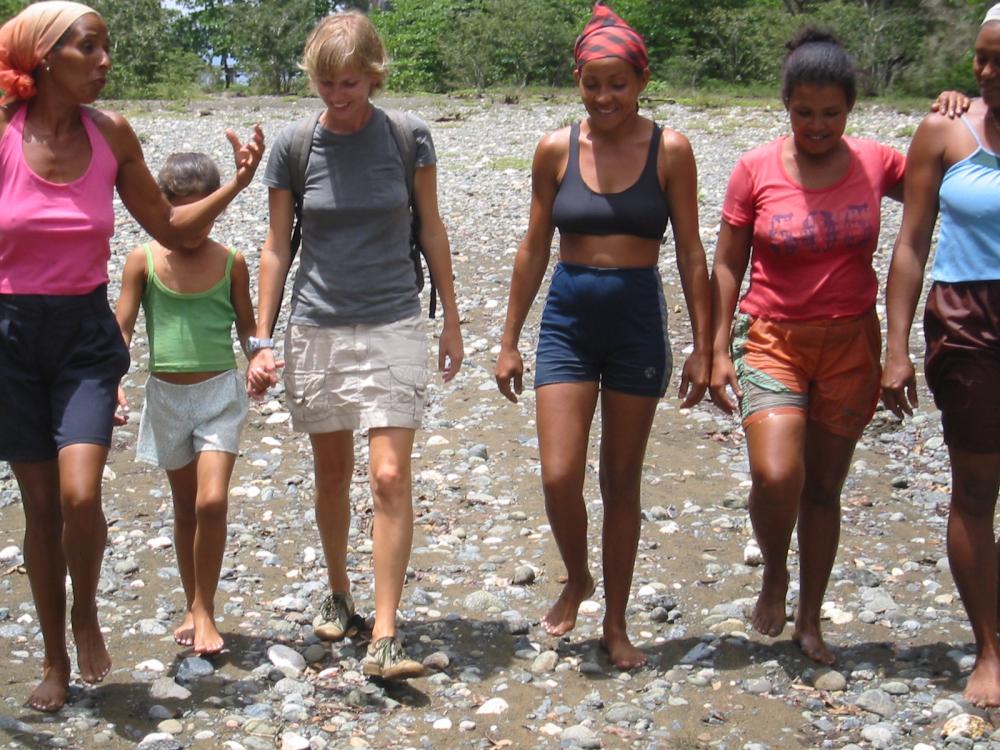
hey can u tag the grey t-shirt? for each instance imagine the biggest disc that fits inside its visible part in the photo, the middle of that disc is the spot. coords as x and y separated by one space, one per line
355 265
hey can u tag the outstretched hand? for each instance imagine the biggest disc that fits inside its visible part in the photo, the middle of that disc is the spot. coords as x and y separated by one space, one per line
246 155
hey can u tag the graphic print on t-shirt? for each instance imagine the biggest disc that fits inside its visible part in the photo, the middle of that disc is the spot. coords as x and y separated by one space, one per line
820 231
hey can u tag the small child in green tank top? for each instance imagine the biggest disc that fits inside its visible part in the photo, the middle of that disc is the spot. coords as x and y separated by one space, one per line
195 399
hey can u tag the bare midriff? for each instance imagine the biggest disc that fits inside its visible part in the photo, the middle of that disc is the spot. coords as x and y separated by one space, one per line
609 251
185 378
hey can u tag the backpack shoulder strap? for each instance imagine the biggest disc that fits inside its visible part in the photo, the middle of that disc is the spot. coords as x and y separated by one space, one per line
298 152
406 142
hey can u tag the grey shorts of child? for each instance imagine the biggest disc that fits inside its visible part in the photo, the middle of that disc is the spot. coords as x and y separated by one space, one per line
180 421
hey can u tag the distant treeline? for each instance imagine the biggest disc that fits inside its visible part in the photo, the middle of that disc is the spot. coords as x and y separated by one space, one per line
900 46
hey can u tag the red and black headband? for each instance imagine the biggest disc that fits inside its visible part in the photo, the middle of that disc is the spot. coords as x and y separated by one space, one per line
608 35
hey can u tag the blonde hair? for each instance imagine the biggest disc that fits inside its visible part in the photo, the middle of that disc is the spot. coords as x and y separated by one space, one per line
345 40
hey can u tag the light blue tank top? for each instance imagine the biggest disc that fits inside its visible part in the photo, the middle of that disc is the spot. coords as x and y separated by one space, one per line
969 243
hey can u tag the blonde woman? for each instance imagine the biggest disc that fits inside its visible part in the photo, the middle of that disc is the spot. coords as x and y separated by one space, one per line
356 346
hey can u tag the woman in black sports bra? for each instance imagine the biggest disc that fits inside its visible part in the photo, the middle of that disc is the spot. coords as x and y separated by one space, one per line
610 184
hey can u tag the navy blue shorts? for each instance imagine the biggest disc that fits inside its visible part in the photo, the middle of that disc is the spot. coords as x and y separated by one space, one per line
61 358
606 325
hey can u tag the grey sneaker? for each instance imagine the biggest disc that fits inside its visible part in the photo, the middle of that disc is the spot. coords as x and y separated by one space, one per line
386 659
337 619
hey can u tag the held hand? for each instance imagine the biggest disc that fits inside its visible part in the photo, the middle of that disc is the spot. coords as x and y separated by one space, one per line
899 385
262 373
951 104
694 378
451 351
723 376
246 155
509 372
121 413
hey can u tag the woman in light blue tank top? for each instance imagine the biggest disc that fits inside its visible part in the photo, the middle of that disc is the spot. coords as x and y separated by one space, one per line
953 168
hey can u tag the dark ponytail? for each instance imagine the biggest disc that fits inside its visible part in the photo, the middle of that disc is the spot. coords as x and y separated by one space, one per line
817 57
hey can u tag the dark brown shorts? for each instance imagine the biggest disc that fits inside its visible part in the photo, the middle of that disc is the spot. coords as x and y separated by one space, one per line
962 362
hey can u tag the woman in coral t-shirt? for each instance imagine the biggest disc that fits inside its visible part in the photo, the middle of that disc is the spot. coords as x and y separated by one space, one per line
803 353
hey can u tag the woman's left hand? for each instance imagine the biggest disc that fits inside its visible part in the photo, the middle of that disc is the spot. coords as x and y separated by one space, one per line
247 155
694 378
451 351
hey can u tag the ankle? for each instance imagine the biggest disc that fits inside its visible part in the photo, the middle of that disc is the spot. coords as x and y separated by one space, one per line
381 629
201 612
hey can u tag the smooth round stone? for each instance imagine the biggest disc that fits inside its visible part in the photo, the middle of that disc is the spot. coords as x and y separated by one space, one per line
831 681
758 686
895 687
170 726
493 707
579 736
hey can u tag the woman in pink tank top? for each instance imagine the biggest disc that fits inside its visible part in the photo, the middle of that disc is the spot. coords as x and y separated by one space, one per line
61 353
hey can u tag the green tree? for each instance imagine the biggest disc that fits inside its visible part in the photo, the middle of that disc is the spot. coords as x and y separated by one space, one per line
275 33
416 34
212 30
512 42
10 8
147 54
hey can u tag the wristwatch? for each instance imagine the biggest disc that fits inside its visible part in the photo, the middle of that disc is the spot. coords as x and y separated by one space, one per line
255 344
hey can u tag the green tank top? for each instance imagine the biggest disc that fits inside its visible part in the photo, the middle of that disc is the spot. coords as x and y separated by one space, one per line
189 332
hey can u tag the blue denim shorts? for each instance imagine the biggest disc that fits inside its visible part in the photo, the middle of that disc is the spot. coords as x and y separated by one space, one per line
61 358
606 325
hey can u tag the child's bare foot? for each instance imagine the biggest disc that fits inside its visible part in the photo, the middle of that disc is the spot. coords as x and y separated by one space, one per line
768 616
207 639
50 695
92 655
184 634
561 618
810 642
983 686
620 650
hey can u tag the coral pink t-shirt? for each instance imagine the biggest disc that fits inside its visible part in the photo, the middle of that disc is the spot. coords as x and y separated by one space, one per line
55 238
811 253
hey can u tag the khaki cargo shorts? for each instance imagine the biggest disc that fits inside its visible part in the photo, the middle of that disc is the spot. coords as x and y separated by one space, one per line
356 377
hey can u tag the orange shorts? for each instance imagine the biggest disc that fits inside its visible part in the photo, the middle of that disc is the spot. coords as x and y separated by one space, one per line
828 369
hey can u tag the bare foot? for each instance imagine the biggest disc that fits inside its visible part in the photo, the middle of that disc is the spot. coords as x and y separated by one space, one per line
621 651
810 642
561 618
207 639
983 687
184 634
768 616
50 695
92 656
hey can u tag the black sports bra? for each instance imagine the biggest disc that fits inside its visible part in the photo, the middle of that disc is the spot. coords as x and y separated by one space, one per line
640 210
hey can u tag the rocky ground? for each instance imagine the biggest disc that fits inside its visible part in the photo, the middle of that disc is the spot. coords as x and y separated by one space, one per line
484 566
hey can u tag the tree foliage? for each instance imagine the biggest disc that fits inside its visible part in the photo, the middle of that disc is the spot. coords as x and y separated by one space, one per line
10 8
914 46
148 58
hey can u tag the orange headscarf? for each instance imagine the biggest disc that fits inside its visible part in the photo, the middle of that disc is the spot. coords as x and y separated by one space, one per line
27 38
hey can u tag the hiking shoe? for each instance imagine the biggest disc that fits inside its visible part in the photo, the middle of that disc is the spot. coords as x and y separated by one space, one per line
386 659
337 619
